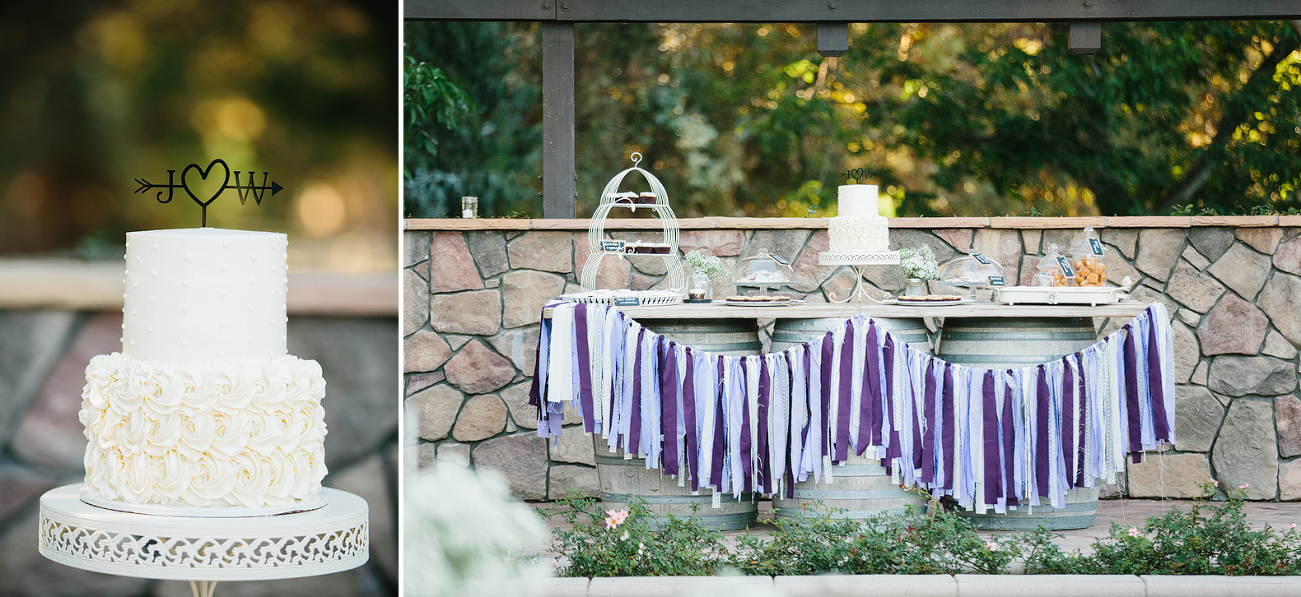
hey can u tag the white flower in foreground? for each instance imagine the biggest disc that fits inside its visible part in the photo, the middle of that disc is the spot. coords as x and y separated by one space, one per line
464 533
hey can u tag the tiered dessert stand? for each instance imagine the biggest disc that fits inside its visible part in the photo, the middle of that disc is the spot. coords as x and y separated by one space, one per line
860 260
601 247
203 550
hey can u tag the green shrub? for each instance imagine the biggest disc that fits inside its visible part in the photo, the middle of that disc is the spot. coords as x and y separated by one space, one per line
918 542
1206 539
601 544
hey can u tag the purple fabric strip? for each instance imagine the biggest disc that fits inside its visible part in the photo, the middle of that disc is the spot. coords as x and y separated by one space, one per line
720 429
1081 391
1009 448
789 473
1042 438
927 451
810 402
689 420
1068 419
1131 393
828 350
744 404
846 388
950 424
870 416
669 390
893 451
584 366
535 389
634 409
989 428
1155 382
763 475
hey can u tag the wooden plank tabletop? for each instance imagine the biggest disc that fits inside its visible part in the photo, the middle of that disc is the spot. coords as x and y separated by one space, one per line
811 310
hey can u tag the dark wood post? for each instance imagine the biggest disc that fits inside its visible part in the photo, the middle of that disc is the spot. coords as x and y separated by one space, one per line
559 189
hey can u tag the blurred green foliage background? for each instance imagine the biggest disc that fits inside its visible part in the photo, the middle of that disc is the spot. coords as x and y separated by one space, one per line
95 94
950 119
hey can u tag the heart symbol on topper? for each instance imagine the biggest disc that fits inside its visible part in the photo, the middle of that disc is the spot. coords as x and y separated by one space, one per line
203 174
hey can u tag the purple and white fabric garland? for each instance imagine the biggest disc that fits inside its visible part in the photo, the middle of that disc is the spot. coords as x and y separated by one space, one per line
760 423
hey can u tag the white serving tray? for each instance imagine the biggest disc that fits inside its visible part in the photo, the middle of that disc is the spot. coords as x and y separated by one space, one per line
1067 295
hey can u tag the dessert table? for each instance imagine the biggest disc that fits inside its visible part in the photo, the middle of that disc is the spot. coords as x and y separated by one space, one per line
816 310
332 538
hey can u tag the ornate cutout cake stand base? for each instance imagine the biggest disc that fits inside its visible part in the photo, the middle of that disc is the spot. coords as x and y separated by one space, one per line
203 551
860 260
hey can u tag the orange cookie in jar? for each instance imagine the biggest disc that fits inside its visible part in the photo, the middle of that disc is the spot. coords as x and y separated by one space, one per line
1089 259
1053 265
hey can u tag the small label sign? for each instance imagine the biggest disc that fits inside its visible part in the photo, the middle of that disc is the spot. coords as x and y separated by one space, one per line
1066 267
996 281
613 246
981 258
626 301
1096 246
778 259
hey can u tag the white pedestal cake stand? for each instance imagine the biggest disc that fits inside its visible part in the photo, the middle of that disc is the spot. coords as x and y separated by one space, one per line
333 538
860 260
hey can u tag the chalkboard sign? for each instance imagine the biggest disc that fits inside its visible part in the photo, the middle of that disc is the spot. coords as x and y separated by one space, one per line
626 301
981 258
996 281
1096 246
1066 267
613 246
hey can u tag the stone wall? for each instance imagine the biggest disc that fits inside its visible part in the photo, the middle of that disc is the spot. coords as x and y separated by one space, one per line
43 357
473 291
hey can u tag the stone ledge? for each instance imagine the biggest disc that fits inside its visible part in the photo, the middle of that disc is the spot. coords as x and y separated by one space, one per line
928 585
97 286
724 223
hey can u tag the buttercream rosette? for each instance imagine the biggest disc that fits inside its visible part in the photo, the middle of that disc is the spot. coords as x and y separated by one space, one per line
246 434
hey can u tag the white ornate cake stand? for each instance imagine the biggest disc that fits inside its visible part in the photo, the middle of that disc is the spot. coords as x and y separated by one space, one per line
860 260
333 538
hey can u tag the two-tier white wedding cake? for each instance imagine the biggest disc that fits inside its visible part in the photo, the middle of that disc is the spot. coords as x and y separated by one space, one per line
203 407
859 225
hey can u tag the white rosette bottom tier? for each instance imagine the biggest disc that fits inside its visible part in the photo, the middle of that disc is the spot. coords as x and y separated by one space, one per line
871 233
204 439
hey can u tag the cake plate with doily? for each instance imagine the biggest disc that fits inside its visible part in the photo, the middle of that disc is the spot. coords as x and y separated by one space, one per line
860 260
332 538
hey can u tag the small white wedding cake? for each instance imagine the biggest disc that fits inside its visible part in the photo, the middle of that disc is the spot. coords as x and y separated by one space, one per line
203 407
859 226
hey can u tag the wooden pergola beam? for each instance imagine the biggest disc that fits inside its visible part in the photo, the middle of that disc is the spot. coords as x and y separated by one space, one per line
853 11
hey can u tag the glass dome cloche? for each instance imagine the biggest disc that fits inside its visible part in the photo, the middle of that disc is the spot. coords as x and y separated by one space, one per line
972 271
763 271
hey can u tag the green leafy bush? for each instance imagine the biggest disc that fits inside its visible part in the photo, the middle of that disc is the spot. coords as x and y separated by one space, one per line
918 542
1206 539
630 543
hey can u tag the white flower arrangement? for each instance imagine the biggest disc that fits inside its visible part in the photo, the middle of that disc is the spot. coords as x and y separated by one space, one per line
919 263
465 534
709 265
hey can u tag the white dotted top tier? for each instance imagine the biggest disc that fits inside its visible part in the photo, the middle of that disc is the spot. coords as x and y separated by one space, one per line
204 295
857 201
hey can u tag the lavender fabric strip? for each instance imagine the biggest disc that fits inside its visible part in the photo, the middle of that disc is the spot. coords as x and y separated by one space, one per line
689 420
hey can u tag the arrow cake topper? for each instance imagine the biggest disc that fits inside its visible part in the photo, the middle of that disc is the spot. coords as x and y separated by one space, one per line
202 174
856 174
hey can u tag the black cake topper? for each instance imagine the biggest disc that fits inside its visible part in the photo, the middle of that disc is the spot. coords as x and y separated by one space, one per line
257 190
855 174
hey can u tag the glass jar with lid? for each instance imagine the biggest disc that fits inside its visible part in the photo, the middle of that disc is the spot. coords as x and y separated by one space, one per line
972 271
763 271
1089 259
1056 267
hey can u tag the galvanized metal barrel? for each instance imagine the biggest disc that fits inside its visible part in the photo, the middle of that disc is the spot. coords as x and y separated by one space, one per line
720 336
622 480
790 332
1010 342
860 489
1006 343
1080 512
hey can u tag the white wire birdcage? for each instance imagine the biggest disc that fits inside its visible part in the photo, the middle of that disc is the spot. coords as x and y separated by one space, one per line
600 247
